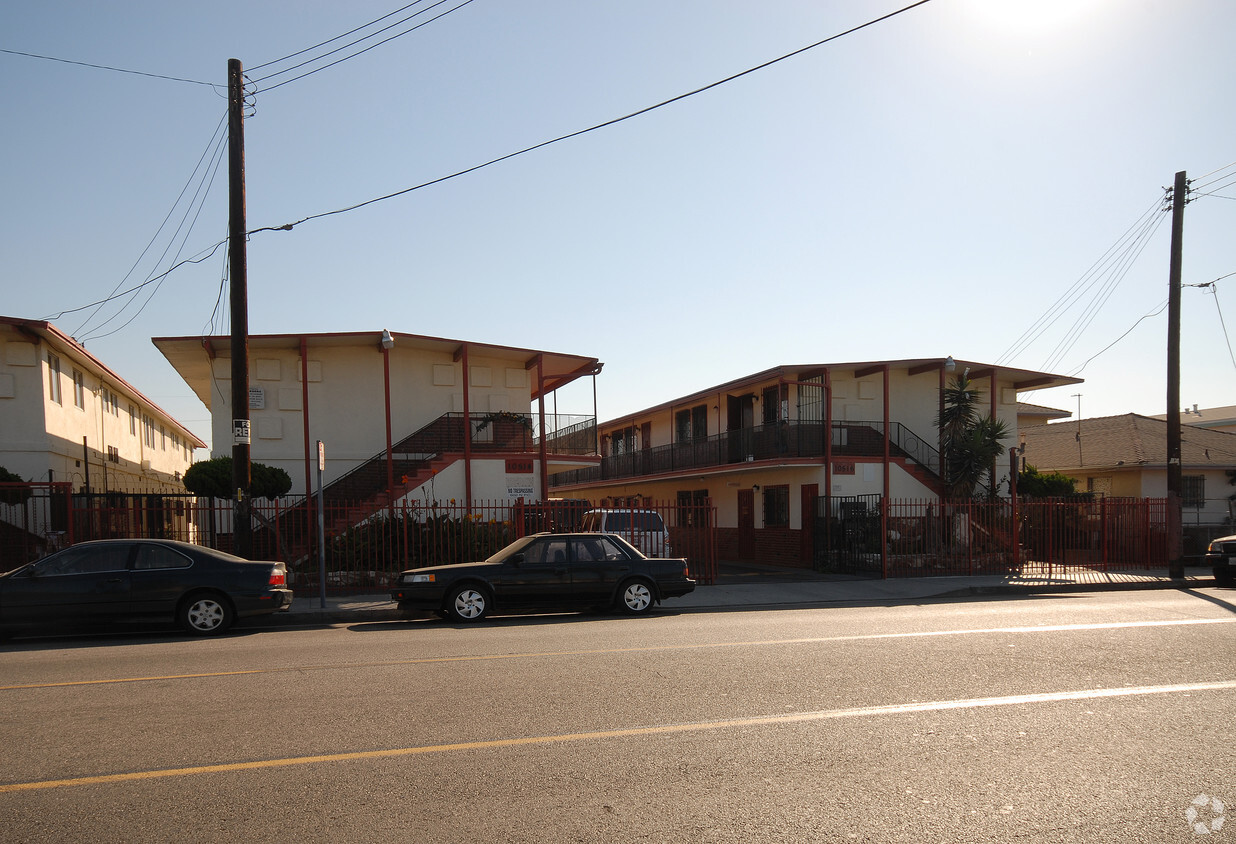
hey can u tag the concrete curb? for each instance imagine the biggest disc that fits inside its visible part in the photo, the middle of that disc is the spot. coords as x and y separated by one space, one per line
766 596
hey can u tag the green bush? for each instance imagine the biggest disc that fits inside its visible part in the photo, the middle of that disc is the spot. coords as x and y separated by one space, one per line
213 478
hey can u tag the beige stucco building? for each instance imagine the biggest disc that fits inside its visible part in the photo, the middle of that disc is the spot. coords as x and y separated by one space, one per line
1126 457
768 447
389 409
65 416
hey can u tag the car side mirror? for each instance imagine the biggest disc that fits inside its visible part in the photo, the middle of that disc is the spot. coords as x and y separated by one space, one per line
517 559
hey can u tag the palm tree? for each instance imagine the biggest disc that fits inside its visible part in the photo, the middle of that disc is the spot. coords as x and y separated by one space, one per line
970 443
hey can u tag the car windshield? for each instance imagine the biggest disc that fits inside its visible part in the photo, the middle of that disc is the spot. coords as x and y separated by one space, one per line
512 549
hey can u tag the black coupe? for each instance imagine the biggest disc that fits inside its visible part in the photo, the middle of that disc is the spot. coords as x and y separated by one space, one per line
202 590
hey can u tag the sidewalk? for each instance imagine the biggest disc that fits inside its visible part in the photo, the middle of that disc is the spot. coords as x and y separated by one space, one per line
771 588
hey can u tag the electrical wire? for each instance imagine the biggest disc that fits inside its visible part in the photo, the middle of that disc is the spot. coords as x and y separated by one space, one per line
1099 353
214 85
354 43
1114 279
215 139
336 38
1214 291
1083 284
196 259
186 226
598 126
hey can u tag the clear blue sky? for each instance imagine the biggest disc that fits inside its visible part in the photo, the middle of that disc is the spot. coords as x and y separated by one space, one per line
928 186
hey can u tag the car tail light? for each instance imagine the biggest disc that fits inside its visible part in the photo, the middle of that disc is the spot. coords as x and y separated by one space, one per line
686 570
279 577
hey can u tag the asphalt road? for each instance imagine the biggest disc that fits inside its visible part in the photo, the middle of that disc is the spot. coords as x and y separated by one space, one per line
1074 718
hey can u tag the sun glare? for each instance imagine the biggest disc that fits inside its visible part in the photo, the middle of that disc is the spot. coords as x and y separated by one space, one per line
1030 16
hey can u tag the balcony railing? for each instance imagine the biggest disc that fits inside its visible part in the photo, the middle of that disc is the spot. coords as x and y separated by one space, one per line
792 439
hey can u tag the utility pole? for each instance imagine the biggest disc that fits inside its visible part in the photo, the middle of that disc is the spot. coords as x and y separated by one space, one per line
1175 544
242 537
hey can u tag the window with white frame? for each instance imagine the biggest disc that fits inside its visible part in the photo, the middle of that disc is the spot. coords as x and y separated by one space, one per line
79 389
132 420
148 431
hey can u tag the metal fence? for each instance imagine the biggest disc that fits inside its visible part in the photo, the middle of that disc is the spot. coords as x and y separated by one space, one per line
907 538
363 551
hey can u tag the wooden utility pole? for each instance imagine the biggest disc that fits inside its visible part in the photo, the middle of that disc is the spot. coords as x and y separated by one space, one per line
242 526
1175 544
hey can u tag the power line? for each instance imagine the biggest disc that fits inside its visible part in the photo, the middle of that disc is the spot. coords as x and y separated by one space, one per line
112 69
257 67
216 140
354 43
1084 283
196 259
606 124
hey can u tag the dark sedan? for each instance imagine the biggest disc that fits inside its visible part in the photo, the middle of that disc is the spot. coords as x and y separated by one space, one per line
202 590
564 571
1221 556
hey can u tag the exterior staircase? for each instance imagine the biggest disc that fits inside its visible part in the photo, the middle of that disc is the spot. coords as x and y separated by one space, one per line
362 493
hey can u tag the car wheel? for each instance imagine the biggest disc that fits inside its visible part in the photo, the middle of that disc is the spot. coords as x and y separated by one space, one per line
205 614
635 598
1224 578
467 603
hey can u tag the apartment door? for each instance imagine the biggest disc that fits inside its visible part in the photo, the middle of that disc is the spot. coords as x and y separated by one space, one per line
746 524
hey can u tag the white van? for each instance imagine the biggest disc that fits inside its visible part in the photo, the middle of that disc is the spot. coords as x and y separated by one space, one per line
645 529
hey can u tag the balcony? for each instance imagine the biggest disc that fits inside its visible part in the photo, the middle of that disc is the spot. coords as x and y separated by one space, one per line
776 441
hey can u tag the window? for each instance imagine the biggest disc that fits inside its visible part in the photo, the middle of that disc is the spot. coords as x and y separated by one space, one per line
79 389
1193 491
622 441
162 438
546 552
691 424
148 431
160 557
86 560
132 420
777 506
113 454
596 549
53 378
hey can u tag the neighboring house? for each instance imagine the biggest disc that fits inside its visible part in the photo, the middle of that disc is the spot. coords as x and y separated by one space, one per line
1033 414
65 416
766 447
1214 418
1126 457
390 411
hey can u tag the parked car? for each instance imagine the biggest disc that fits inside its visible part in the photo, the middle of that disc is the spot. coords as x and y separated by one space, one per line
202 590
1221 555
561 571
645 529
556 515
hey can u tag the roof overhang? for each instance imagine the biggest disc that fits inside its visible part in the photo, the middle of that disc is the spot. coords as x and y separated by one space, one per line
192 356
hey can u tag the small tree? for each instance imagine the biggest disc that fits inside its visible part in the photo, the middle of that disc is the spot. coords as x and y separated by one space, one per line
971 442
13 495
213 478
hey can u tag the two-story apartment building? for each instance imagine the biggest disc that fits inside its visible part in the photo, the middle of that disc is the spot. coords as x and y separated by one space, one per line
398 414
65 416
768 447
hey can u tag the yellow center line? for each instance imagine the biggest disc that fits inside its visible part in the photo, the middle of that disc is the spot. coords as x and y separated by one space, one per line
813 640
630 732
